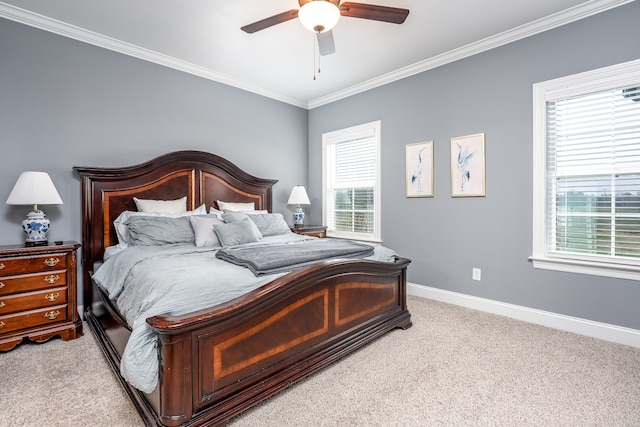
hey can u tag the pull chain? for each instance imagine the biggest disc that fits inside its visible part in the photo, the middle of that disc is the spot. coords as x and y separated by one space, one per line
314 56
317 44
316 53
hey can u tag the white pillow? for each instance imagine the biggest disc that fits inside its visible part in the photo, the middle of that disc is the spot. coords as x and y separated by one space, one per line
203 228
231 206
122 231
169 206
216 212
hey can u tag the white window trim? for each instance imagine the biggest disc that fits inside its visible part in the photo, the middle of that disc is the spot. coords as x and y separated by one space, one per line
590 81
341 135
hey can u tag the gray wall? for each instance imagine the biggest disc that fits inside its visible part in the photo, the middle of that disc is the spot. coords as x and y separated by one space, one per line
64 103
491 93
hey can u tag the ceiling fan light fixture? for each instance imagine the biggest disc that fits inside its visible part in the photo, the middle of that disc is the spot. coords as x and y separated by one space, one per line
319 15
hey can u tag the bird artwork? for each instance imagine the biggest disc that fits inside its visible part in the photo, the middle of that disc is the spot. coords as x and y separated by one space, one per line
463 165
417 173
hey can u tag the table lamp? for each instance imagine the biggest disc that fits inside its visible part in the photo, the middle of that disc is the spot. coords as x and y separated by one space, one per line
35 188
298 197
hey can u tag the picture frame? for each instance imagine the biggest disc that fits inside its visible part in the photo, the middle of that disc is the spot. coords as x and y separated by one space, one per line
468 166
419 169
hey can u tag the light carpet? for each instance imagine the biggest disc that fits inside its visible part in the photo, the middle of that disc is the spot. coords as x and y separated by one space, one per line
454 367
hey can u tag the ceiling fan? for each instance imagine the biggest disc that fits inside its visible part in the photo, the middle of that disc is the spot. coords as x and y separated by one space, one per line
320 16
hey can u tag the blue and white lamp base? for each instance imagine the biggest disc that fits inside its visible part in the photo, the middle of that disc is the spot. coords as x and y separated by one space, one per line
298 217
36 226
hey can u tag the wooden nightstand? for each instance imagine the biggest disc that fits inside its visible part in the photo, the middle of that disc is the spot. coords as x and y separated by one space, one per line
311 230
38 293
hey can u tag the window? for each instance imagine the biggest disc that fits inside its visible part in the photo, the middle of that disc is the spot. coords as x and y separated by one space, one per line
587 173
351 182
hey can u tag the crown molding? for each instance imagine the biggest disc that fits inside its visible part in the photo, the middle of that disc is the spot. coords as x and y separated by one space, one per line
559 19
35 20
576 13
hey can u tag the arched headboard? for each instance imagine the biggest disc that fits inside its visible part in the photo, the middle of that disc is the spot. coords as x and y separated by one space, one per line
202 177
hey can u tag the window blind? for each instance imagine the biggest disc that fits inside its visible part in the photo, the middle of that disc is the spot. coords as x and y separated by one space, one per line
593 174
351 194
351 168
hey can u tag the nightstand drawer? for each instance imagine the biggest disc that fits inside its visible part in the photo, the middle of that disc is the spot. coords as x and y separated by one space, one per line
32 300
32 282
35 264
319 234
33 318
311 230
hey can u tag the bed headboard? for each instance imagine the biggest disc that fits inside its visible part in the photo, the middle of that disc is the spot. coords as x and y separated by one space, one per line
202 177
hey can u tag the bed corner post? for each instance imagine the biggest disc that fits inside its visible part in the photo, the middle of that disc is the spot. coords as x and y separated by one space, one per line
402 293
86 259
176 407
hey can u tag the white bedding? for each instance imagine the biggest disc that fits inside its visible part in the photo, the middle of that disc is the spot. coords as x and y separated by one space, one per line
145 281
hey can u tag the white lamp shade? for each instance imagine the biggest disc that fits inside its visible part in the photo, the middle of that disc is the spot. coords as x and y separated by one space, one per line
319 15
34 188
298 196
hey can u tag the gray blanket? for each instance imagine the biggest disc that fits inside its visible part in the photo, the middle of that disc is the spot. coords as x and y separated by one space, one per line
276 258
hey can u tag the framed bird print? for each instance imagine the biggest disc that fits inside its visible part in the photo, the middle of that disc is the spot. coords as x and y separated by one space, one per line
468 166
419 169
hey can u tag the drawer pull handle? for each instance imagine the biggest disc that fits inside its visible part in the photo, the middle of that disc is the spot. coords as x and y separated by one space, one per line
51 279
1 324
51 297
1 285
2 304
51 261
52 314
1 266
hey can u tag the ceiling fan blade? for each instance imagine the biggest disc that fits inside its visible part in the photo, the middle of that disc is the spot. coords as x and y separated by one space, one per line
270 21
326 46
393 15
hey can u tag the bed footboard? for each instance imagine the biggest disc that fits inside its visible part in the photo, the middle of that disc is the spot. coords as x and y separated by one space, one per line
215 364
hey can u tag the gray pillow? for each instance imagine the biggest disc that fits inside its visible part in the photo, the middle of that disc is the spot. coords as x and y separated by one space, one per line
203 229
237 233
231 216
159 230
269 224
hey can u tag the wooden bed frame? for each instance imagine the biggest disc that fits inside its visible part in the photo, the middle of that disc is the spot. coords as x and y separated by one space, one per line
218 362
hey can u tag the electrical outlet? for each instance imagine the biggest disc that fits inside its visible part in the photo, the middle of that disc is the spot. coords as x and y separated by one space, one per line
476 274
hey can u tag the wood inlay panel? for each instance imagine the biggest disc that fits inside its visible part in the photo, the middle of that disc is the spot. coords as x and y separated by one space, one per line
357 300
113 199
226 192
273 335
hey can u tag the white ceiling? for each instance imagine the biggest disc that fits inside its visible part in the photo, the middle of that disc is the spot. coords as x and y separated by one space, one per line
203 37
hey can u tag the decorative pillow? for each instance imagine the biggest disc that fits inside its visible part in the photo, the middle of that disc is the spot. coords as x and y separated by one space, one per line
231 206
232 216
237 233
268 224
169 206
203 229
159 230
123 232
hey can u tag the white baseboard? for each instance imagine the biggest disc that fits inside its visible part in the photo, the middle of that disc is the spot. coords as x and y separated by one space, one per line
617 334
